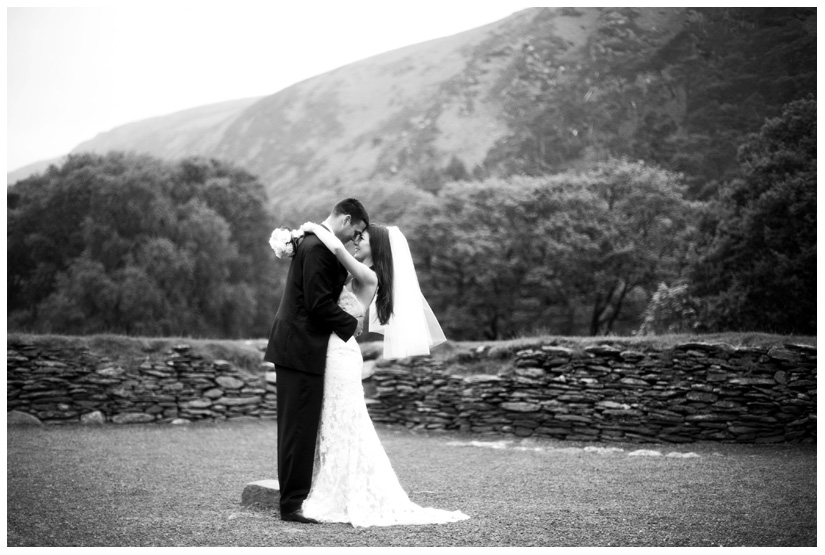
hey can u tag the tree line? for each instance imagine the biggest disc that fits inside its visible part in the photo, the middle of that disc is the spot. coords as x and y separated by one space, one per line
125 243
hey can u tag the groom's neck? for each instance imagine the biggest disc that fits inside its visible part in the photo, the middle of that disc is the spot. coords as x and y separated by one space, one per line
328 223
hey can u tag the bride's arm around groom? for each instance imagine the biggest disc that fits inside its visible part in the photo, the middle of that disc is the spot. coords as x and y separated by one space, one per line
307 315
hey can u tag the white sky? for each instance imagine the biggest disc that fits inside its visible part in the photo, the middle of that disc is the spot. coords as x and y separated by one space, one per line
75 72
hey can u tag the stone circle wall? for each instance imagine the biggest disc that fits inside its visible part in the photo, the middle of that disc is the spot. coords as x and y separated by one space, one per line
61 386
691 392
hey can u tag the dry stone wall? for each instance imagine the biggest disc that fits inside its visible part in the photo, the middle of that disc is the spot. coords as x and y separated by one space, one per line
63 385
691 392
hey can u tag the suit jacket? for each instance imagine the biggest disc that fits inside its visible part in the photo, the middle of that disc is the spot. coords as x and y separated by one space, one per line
309 310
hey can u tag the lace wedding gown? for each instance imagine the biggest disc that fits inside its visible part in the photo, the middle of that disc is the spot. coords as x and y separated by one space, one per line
353 480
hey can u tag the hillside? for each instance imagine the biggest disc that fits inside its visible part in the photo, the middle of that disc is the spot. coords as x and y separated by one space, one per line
31 169
543 90
189 132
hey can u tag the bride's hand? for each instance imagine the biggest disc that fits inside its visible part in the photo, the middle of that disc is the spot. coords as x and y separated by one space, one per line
309 227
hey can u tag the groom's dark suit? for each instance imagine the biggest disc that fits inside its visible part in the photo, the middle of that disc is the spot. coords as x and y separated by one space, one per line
297 346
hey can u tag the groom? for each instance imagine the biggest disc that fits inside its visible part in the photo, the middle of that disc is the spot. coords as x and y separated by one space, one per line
297 346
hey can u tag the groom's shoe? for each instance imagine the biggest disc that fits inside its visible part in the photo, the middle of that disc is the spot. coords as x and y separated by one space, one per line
298 516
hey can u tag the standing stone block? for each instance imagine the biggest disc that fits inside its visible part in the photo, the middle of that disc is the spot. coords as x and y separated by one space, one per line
93 418
266 493
18 418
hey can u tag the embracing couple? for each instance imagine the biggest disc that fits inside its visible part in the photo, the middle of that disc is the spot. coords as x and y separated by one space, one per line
331 465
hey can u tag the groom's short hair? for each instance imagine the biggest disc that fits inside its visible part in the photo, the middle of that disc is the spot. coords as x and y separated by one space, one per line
353 208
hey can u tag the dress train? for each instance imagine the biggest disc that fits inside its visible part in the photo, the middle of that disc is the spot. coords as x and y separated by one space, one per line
353 480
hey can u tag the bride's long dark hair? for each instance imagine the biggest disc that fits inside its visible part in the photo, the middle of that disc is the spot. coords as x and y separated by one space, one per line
382 265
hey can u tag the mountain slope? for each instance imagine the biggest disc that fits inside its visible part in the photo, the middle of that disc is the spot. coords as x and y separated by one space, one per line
373 117
543 90
23 172
409 113
185 133
394 114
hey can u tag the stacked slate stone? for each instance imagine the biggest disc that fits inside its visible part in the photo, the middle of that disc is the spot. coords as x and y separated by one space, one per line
53 384
416 385
72 385
692 392
213 390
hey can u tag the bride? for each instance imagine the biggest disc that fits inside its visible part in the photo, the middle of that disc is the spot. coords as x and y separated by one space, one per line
353 480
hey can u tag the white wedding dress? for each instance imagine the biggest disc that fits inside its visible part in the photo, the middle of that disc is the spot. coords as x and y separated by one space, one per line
353 480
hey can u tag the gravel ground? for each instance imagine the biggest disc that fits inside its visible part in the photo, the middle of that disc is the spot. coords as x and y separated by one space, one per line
155 485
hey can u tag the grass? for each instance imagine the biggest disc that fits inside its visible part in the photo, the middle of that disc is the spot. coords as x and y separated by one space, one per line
154 485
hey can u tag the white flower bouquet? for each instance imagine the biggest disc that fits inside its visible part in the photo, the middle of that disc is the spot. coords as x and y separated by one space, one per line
285 241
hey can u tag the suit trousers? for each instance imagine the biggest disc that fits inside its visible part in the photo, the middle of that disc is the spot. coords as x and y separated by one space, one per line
300 397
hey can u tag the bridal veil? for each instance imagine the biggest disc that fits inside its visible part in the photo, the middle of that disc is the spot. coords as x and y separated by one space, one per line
413 328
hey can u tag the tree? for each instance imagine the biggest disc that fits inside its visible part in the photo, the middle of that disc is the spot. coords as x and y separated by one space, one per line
671 310
46 227
563 252
759 273
124 243
679 97
646 237
83 299
240 200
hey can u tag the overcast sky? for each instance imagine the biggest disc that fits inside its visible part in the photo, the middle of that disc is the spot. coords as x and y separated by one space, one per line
75 72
